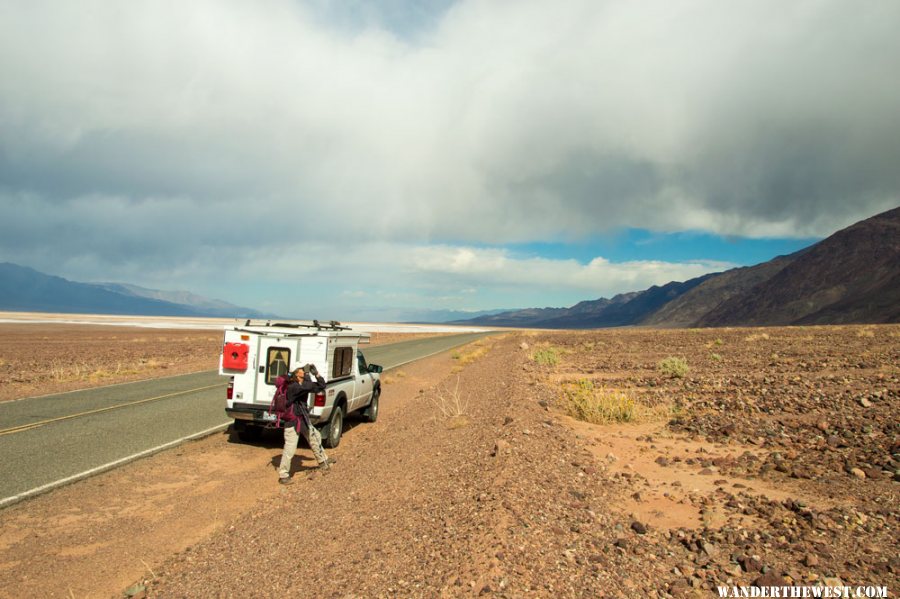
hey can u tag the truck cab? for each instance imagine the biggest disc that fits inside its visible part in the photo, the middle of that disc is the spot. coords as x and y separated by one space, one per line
255 353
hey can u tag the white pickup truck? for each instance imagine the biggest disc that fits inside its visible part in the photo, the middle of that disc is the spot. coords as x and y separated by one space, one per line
255 353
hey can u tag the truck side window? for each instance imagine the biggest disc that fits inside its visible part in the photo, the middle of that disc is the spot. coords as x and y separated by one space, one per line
342 362
277 360
363 368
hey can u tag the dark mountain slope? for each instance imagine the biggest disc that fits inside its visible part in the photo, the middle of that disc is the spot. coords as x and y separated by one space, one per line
849 277
687 309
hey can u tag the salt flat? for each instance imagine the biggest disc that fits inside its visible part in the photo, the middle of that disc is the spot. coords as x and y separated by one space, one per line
180 322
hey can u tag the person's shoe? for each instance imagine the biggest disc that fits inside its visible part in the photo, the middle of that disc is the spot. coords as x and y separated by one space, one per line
326 465
285 480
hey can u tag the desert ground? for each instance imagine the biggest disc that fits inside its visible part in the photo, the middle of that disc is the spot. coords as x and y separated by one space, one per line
613 463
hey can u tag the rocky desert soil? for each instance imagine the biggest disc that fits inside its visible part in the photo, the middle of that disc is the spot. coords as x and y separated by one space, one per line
774 459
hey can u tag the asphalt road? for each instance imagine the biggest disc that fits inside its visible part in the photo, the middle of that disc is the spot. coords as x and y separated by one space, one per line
50 440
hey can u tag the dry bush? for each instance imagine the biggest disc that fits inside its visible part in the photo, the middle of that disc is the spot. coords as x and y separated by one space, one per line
866 332
673 367
451 406
469 354
393 377
715 357
598 405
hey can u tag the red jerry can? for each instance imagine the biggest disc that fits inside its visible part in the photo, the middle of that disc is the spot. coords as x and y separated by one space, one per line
235 355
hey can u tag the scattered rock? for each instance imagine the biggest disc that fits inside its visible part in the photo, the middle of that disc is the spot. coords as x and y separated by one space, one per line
858 473
499 446
750 564
770 579
639 527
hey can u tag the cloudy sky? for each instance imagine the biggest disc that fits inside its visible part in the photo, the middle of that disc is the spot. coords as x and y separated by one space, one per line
366 159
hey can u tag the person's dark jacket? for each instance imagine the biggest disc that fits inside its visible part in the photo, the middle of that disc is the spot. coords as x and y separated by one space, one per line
297 393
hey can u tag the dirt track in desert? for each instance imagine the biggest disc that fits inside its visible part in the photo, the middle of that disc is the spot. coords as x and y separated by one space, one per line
773 459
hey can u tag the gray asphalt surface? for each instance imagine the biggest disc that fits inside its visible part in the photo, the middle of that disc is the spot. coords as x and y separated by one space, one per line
187 405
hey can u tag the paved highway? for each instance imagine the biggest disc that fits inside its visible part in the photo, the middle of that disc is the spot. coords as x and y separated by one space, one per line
51 440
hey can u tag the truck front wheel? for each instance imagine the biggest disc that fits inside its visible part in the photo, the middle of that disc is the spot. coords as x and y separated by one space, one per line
371 413
335 428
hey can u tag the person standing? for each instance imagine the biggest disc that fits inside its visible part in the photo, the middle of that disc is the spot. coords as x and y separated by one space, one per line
301 385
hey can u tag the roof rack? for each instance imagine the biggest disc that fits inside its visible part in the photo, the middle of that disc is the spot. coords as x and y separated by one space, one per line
331 325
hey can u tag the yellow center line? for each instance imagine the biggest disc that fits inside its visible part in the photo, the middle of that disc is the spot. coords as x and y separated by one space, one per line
25 427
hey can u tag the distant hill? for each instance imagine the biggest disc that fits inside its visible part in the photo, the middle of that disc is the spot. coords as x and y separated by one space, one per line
25 289
852 276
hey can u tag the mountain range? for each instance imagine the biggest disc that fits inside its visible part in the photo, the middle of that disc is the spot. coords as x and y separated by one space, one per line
853 276
25 289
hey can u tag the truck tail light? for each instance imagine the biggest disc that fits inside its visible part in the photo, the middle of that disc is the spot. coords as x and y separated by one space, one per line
319 400
229 392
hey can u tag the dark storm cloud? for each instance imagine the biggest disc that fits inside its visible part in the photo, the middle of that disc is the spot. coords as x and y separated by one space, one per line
161 131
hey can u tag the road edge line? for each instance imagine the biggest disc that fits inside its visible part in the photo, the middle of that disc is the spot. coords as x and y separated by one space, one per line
13 499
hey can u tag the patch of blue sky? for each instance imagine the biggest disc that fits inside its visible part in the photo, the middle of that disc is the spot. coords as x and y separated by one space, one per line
405 19
639 244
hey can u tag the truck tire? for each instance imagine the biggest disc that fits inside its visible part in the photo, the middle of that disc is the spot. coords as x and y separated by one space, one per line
371 413
335 428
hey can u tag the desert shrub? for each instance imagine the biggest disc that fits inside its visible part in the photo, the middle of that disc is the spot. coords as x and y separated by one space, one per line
598 405
756 337
866 332
715 357
673 367
548 356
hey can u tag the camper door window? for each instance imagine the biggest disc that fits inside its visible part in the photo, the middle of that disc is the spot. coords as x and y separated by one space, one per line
277 361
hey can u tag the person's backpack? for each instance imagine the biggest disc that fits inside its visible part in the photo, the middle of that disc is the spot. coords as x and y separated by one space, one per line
280 406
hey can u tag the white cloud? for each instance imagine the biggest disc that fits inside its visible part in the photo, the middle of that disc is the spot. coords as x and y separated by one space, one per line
364 277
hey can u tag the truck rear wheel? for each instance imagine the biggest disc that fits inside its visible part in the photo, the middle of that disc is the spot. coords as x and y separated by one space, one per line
335 428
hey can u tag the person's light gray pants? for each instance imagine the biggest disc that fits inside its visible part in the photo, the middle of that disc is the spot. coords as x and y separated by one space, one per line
291 438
